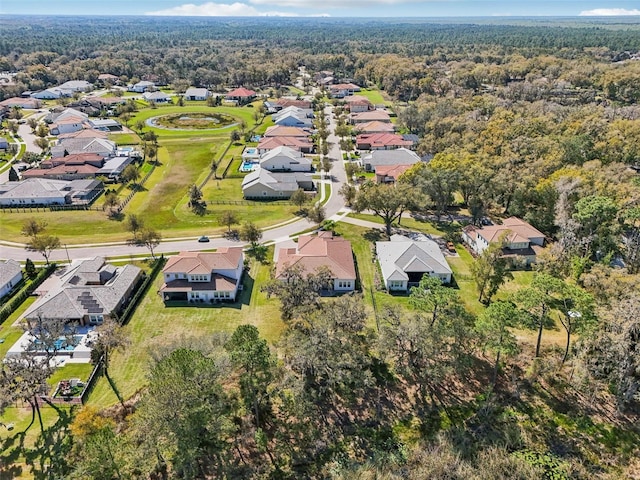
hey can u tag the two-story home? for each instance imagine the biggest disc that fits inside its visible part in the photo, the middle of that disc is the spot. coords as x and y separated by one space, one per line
519 237
322 250
200 277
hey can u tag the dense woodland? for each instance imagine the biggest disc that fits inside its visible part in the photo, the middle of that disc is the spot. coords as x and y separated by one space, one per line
536 120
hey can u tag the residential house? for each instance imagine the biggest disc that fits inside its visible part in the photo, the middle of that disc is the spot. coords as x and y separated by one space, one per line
282 131
370 116
71 146
75 86
107 78
86 133
71 167
142 86
19 102
323 250
41 191
240 95
203 276
302 144
375 127
381 141
105 125
50 94
294 117
404 262
285 102
196 94
399 156
342 90
357 103
67 121
10 276
390 173
157 97
285 159
261 184
521 240
89 292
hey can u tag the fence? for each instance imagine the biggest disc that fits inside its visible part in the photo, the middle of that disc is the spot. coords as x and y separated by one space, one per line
50 208
15 302
133 192
148 280
78 399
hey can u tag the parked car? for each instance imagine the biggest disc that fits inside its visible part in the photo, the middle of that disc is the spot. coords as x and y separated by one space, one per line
203 239
451 247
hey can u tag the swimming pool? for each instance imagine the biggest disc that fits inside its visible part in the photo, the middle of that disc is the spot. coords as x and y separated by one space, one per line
248 166
62 344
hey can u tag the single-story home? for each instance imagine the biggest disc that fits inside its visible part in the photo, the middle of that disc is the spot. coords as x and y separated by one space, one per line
342 90
404 262
370 116
263 184
399 156
241 95
285 159
294 117
76 86
520 238
381 141
375 127
157 97
195 94
390 173
105 124
51 94
283 131
141 87
89 292
20 102
322 250
71 146
10 276
302 144
203 276
357 103
41 191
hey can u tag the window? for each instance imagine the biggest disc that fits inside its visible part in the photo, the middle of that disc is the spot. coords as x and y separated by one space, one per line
96 319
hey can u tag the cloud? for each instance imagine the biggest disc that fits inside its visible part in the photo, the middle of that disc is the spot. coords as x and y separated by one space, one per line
211 9
609 12
331 3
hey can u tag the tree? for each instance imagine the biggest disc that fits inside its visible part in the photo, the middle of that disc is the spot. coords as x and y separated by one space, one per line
317 214
140 126
134 224
30 268
490 270
386 201
110 337
492 325
42 130
250 233
431 296
632 239
228 218
596 215
250 354
348 192
297 290
151 239
44 244
195 196
33 227
183 419
577 311
131 174
235 136
111 202
299 198
13 175
12 126
537 300
42 143
327 164
33 123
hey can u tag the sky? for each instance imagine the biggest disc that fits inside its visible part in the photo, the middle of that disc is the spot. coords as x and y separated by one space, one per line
330 8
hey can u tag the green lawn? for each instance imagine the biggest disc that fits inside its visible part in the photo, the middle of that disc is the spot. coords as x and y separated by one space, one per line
10 333
125 138
411 223
375 96
155 326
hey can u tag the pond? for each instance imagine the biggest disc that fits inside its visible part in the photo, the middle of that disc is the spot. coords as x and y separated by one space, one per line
193 121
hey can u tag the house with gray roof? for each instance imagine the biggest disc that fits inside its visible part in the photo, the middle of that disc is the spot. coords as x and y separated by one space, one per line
10 276
263 184
404 262
285 159
76 86
73 146
294 117
89 292
44 191
195 94
158 97
399 156
141 87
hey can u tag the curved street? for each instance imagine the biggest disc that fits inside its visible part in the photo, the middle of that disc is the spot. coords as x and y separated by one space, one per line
277 234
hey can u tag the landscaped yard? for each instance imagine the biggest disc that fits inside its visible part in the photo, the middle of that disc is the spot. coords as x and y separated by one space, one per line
154 327
375 96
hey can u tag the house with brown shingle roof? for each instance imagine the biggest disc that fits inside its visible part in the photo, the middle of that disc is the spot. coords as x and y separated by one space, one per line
357 103
381 141
20 102
370 116
520 238
199 277
375 127
284 131
240 95
390 173
313 252
301 144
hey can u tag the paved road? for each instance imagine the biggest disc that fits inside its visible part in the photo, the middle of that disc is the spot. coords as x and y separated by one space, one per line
334 205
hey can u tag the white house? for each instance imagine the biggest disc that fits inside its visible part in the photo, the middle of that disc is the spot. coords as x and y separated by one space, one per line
265 185
51 94
317 251
42 191
285 159
404 262
10 276
194 93
519 237
141 87
203 276
294 117
158 97
399 156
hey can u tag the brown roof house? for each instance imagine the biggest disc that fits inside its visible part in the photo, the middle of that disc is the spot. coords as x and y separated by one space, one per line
322 250
521 240
381 141
199 277
240 95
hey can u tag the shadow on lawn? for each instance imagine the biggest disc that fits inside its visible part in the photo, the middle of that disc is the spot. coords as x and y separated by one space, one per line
10 454
244 298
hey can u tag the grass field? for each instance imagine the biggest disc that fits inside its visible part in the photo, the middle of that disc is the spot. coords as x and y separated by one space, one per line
411 224
375 96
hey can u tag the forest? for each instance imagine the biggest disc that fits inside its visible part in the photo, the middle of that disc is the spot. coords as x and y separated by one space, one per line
539 120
